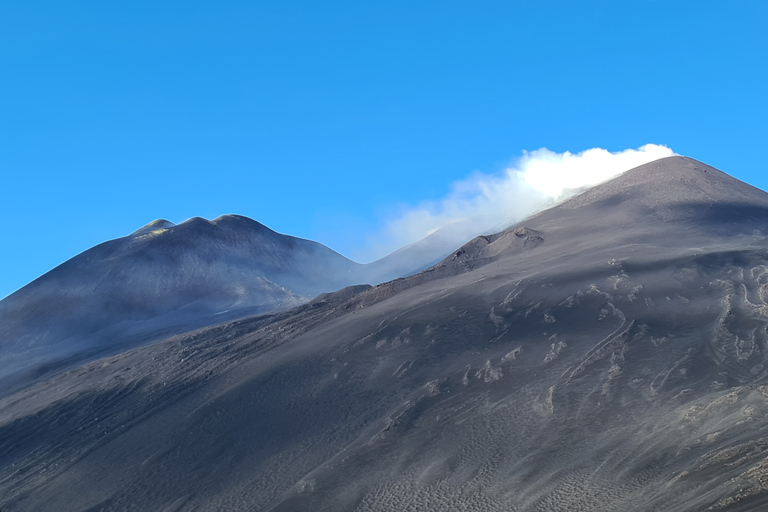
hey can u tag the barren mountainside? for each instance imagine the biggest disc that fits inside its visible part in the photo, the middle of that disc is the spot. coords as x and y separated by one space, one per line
164 279
158 280
606 354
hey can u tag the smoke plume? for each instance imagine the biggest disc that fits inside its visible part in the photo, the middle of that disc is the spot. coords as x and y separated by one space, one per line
484 203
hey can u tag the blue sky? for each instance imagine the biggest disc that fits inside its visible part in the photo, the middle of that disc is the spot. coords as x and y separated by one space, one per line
325 119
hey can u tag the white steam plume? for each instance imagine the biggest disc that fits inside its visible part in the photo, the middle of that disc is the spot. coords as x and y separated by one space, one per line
537 180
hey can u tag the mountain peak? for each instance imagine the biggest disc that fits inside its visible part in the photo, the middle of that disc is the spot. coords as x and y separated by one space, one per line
239 222
153 226
674 180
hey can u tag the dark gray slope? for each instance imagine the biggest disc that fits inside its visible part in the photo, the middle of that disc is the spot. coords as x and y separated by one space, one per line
160 278
609 354
164 279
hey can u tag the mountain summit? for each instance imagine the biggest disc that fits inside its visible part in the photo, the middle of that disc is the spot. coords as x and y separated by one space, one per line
160 279
675 188
610 353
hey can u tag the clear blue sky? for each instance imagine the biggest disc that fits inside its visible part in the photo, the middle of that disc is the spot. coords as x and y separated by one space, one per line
318 118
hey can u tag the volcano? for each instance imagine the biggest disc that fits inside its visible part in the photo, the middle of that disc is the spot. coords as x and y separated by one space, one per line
606 354
164 279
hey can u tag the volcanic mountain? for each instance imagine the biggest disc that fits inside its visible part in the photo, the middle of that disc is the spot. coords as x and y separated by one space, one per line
606 354
167 278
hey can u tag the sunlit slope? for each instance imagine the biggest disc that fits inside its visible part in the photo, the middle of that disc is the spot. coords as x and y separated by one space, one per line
608 354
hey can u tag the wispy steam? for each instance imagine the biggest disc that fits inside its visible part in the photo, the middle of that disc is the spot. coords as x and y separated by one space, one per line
537 180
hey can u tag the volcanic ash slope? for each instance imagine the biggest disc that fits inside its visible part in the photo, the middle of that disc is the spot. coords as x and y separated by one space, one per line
166 279
609 354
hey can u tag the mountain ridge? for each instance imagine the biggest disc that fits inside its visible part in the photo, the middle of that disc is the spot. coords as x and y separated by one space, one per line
166 277
612 206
